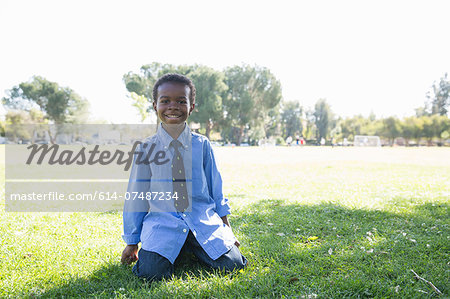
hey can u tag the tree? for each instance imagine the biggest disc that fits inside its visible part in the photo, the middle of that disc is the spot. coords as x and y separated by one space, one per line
59 104
2 128
253 92
141 103
351 126
336 132
391 128
291 117
360 125
428 129
17 121
412 128
323 118
238 102
435 126
440 96
272 123
210 86
444 131
422 111
310 130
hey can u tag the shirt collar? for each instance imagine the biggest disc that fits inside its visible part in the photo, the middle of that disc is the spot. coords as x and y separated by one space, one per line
166 139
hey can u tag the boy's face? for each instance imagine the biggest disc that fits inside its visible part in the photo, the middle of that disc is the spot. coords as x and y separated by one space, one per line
172 105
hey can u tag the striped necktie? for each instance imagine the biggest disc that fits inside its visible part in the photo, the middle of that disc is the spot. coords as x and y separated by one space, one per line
179 179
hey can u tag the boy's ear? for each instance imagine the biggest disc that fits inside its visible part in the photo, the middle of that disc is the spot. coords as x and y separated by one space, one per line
154 105
192 108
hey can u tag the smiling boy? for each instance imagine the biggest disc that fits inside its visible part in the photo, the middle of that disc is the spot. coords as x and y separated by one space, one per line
195 217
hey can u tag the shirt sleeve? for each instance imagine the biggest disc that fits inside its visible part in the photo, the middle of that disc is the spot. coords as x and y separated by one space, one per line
136 207
214 181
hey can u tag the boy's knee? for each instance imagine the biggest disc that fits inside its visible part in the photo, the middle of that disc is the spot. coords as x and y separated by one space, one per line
232 260
152 266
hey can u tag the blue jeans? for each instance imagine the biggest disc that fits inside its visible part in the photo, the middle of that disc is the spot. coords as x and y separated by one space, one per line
153 266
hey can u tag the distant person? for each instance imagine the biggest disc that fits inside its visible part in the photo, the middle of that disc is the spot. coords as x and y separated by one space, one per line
297 138
322 141
289 140
199 225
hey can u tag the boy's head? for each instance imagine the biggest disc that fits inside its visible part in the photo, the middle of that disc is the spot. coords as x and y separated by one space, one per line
173 98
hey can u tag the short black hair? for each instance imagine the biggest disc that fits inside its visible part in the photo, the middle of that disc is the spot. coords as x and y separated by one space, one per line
177 78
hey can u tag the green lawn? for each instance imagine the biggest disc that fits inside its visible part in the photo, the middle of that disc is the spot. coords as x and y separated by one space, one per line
313 222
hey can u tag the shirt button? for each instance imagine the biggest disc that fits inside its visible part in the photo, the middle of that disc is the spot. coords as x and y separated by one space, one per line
184 215
184 230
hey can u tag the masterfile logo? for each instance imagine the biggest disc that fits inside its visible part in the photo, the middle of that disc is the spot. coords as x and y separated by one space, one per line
83 156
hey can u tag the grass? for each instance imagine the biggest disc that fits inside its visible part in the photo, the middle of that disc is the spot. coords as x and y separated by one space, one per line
313 222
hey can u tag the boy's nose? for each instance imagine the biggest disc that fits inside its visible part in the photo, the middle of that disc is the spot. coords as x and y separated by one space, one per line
173 104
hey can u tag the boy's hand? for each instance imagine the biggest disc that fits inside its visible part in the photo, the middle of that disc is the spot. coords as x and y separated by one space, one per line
225 220
129 254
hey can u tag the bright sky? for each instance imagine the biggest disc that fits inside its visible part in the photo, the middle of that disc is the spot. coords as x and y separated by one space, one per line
362 56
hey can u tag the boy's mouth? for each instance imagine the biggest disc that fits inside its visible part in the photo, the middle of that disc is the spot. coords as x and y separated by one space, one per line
172 116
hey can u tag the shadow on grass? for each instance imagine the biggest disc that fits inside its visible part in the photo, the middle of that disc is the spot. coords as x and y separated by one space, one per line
298 250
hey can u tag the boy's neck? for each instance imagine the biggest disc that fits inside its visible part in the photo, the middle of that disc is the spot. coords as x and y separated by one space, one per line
174 130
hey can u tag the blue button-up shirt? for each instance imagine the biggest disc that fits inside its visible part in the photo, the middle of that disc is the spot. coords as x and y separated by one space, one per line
165 231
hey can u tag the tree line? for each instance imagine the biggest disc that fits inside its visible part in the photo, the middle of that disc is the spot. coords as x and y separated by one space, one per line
240 102
236 105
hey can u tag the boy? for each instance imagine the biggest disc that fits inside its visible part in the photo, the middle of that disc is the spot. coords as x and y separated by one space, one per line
195 217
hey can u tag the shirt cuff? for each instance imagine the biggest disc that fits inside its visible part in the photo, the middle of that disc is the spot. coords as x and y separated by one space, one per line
223 208
131 239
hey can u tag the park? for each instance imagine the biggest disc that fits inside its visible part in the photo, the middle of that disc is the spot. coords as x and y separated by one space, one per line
323 126
313 222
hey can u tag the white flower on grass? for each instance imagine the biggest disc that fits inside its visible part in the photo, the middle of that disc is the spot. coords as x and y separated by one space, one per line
121 289
309 296
330 251
412 240
280 234
370 250
269 224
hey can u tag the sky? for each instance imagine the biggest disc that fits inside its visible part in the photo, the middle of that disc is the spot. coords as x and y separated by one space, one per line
361 56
